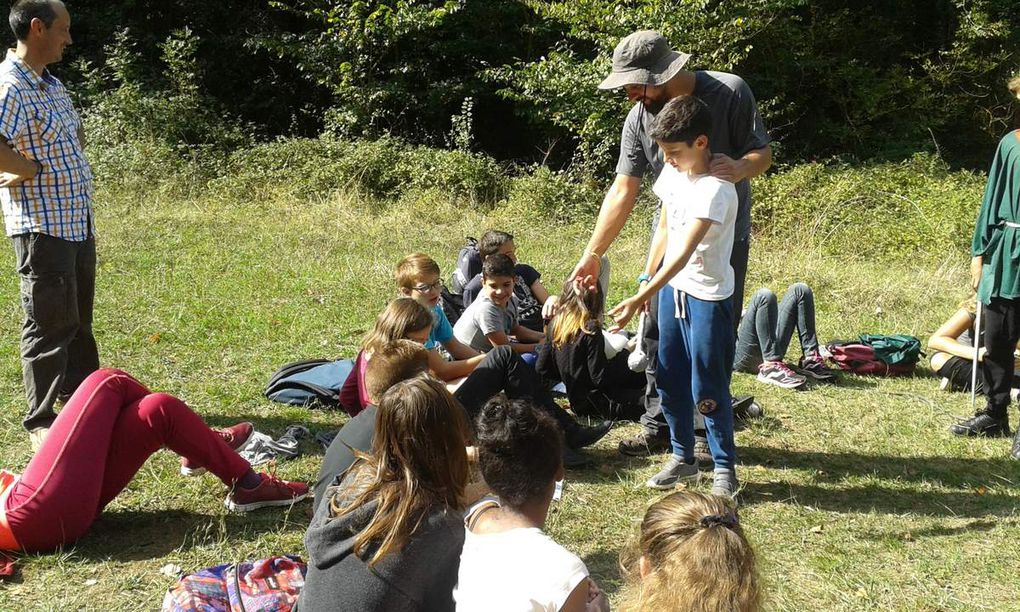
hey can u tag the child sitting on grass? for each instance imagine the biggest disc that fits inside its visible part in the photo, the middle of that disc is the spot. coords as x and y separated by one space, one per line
576 353
501 370
389 535
952 351
418 277
507 558
534 302
695 316
765 332
397 361
493 317
691 554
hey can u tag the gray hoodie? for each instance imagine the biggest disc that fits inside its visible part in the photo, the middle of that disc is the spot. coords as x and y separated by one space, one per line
419 577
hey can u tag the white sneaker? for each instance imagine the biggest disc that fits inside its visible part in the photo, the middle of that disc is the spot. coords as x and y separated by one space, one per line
781 375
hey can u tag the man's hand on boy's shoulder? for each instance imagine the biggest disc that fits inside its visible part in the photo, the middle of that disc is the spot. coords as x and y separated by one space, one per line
726 168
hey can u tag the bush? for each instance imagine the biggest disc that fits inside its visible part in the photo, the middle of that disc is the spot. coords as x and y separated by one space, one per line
143 131
378 169
913 208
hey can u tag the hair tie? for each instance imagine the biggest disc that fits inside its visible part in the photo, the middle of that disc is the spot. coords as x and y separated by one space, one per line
726 520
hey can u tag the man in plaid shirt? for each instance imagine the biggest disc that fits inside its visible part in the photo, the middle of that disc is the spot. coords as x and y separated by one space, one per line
46 192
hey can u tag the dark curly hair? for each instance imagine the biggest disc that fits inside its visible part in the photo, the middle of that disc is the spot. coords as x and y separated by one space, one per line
519 450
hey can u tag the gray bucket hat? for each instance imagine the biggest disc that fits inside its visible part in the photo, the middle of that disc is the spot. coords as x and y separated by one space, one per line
643 58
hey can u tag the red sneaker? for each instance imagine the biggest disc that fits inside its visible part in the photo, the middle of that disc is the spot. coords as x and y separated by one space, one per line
272 491
236 436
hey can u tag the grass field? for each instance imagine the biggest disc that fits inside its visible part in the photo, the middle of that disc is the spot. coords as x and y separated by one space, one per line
855 496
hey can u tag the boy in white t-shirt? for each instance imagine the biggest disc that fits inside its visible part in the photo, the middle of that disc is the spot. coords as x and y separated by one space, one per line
508 564
695 283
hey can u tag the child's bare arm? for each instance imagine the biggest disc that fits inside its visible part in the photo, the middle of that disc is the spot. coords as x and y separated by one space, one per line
452 370
626 309
459 350
523 334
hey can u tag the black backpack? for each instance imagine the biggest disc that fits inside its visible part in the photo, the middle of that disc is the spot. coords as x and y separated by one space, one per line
469 265
309 382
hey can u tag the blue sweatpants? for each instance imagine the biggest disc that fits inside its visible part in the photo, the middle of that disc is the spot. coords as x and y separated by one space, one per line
696 349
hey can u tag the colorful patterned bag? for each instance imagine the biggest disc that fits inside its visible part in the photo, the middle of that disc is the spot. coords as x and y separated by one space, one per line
266 585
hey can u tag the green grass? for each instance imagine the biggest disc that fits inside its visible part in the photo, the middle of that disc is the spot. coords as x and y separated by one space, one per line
856 497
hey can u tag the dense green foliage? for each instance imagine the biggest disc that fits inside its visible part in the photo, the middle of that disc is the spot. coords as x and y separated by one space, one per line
516 78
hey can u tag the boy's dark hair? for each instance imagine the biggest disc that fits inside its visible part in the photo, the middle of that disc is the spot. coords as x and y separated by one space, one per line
519 450
24 11
683 119
396 361
491 242
497 265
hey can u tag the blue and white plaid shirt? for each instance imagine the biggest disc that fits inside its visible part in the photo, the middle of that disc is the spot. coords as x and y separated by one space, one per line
38 121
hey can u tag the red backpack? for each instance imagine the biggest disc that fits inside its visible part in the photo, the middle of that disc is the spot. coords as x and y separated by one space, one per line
860 358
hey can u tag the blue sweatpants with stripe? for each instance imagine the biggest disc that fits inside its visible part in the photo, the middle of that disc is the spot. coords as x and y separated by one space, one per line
696 350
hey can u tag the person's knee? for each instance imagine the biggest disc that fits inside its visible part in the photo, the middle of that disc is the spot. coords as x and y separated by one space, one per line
763 297
159 410
801 290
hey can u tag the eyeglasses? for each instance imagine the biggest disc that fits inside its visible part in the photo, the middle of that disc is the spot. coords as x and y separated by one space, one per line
438 286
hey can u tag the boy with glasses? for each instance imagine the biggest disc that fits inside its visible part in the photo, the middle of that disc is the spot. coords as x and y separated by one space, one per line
418 277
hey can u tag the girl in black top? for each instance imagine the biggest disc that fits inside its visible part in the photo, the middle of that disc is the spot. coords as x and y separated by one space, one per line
576 353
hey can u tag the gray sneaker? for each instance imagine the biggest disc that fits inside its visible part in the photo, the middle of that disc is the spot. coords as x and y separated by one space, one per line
674 471
724 483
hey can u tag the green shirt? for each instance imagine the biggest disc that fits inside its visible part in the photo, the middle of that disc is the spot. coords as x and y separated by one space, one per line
994 237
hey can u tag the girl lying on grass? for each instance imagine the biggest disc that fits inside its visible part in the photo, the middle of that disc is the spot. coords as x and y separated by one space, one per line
108 429
952 350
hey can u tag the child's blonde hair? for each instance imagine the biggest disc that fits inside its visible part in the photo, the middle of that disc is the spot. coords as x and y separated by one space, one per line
413 268
576 309
697 555
401 317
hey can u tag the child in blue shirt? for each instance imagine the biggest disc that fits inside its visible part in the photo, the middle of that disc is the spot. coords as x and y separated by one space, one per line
692 243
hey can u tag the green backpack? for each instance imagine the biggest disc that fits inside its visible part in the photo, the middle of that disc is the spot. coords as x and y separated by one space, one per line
894 349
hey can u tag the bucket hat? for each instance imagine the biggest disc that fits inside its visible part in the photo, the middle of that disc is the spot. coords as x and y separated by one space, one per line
643 58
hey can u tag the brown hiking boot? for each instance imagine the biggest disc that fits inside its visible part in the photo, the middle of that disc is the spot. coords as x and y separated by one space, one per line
644 444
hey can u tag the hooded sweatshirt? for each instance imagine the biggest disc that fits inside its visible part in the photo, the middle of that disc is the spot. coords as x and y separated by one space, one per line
421 576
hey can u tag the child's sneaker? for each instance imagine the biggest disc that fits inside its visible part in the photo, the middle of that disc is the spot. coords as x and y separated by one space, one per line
813 366
236 436
779 374
724 483
676 469
272 491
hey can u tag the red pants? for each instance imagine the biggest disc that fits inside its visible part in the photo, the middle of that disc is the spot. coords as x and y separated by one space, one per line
101 438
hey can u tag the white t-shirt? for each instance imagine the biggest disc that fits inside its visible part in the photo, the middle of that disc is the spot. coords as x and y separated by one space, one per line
515 571
708 274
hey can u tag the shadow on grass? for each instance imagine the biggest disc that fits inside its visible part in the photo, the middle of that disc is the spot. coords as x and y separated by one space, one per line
139 536
604 567
836 467
875 498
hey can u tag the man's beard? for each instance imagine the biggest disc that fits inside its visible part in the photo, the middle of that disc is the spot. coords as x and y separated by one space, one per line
653 106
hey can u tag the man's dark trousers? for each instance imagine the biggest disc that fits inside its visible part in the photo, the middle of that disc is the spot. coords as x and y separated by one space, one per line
58 350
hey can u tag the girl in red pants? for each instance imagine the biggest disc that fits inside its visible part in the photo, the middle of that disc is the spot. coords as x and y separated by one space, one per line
101 438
